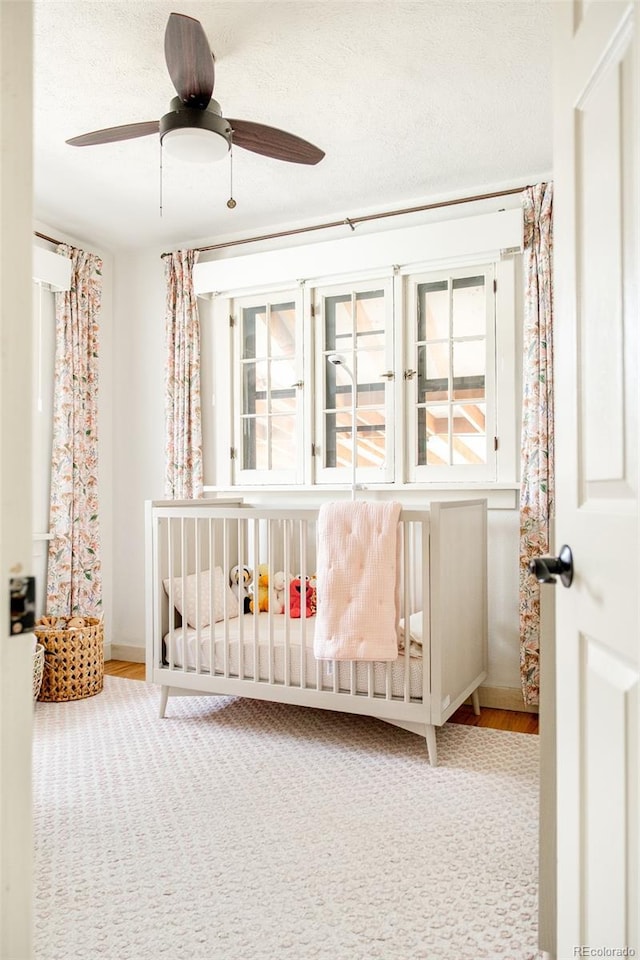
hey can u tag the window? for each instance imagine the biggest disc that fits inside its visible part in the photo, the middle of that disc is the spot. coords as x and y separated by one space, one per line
394 379
451 397
268 389
355 327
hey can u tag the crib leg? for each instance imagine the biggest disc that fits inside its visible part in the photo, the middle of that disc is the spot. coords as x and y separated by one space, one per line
164 696
431 744
475 700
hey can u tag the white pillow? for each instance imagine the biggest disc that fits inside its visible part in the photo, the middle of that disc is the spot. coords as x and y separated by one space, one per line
202 616
415 633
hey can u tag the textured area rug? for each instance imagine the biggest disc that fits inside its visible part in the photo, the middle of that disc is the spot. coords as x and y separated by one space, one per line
243 830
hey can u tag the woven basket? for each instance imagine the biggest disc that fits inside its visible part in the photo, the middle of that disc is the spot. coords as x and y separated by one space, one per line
74 657
38 669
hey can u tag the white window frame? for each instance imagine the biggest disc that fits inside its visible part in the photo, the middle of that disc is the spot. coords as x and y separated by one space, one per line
425 473
338 475
249 477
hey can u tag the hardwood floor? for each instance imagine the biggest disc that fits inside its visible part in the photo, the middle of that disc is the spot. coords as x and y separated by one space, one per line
498 719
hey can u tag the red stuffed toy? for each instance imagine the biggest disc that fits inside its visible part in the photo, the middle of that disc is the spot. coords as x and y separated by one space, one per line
295 598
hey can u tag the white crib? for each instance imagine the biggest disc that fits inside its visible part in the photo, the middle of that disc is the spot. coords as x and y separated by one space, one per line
214 648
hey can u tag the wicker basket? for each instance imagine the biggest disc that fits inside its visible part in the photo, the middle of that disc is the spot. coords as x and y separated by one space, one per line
74 657
38 669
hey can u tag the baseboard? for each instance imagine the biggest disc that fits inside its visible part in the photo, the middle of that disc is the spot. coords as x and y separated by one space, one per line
127 651
503 698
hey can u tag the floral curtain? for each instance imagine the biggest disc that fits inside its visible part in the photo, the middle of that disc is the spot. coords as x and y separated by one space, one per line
184 474
74 579
537 457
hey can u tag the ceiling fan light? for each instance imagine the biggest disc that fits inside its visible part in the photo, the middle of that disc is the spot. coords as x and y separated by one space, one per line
195 144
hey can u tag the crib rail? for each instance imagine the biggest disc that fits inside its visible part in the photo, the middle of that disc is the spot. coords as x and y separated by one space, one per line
197 629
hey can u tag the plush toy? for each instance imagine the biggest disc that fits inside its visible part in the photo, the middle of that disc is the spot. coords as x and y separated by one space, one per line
300 594
278 592
263 590
313 583
241 579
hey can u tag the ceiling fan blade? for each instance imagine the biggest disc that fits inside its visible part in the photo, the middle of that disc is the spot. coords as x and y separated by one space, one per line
189 60
129 131
271 142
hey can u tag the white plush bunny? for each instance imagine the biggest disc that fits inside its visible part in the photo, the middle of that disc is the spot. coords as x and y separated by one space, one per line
279 591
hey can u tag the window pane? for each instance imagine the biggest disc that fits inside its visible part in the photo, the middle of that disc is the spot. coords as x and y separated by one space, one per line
282 330
469 433
433 435
283 449
338 387
339 439
254 387
433 372
338 324
370 319
330 441
433 311
254 332
283 401
248 443
248 388
259 433
371 438
469 307
370 383
469 369
282 379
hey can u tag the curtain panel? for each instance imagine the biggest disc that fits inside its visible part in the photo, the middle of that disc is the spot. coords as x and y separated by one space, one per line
537 457
74 578
183 423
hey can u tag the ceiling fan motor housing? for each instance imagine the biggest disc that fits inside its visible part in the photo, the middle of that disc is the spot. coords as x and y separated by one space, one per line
183 117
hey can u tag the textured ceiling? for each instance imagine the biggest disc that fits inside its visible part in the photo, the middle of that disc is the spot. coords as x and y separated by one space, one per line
410 101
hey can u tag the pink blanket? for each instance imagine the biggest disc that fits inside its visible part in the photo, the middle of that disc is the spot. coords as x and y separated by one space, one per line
358 581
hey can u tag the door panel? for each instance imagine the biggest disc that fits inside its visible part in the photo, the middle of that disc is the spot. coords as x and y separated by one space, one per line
596 363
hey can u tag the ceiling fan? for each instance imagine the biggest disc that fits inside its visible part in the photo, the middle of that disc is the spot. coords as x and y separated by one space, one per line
194 128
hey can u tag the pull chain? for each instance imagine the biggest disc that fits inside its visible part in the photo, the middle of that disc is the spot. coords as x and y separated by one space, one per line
161 178
231 202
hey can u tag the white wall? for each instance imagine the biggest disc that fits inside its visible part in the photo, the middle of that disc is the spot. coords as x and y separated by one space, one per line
42 433
139 458
138 425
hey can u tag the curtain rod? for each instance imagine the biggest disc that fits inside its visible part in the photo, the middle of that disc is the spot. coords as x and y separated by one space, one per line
43 236
351 221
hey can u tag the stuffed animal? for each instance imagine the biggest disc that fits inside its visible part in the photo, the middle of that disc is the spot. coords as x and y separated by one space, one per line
241 579
313 583
296 593
278 592
263 590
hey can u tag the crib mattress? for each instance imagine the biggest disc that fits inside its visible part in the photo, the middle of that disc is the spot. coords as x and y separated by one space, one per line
280 663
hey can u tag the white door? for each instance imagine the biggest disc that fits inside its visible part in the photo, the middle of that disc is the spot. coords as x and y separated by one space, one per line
596 362
16 658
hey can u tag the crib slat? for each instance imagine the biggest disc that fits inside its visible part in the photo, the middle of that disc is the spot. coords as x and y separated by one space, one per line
172 616
271 562
225 630
183 574
256 622
286 563
406 546
212 555
196 547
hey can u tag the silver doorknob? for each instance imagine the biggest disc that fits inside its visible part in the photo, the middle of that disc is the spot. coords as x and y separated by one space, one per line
545 569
